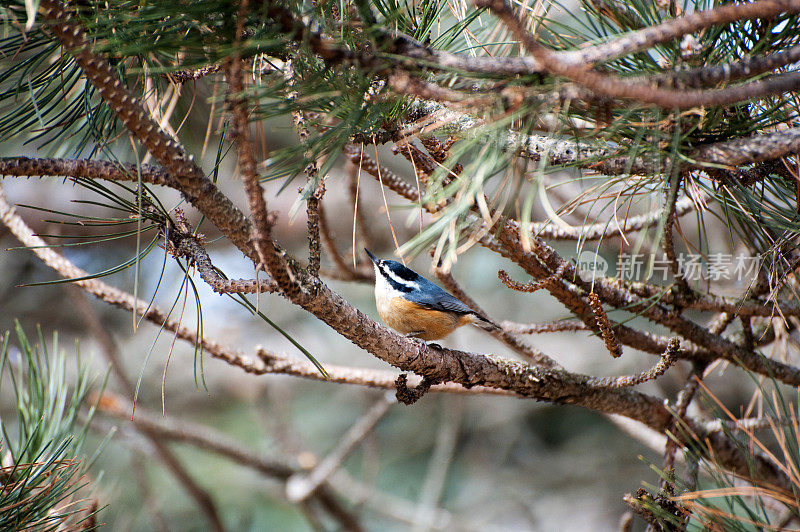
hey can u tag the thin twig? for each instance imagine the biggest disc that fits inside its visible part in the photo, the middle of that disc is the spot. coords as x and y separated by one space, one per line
671 29
393 506
438 464
313 206
403 83
178 430
343 268
756 148
669 358
150 500
311 170
685 397
709 75
261 230
85 168
360 225
189 247
675 182
747 333
529 287
609 229
538 328
302 485
191 74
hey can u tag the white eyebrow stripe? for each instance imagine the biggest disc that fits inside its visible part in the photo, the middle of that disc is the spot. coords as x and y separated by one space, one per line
400 280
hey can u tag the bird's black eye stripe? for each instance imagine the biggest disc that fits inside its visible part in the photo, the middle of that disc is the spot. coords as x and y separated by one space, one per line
400 287
395 281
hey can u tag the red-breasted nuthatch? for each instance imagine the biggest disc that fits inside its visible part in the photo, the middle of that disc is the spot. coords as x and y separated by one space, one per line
414 306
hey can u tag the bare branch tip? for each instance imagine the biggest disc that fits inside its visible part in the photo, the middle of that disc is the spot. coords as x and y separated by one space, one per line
529 287
409 396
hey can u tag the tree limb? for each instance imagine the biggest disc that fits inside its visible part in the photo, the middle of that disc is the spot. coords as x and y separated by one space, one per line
615 87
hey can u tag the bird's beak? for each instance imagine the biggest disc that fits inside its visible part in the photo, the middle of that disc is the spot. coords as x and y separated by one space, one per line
372 257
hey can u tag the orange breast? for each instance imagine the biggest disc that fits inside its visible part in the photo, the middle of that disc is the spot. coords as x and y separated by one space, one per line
408 318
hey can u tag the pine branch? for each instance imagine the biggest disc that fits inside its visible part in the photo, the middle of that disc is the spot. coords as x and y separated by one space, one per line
261 229
615 87
342 267
182 76
538 328
710 75
753 149
609 229
672 29
87 169
301 486
374 54
187 246
195 186
611 293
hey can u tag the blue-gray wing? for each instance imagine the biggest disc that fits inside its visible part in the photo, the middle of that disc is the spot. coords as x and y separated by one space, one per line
433 297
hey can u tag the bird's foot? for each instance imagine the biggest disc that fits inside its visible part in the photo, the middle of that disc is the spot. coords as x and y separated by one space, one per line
414 336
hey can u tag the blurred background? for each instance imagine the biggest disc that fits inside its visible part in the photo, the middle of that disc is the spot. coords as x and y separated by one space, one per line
446 462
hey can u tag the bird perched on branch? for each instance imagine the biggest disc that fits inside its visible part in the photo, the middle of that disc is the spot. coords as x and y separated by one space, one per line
416 307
